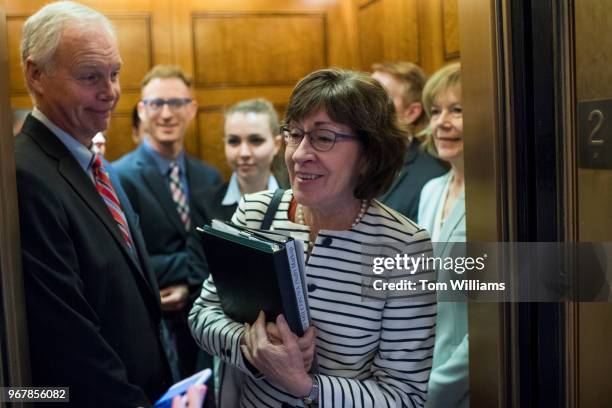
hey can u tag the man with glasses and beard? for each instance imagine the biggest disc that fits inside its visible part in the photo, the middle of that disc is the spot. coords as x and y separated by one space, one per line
164 184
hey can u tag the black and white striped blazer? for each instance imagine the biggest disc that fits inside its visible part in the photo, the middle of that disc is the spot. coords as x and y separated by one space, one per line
371 353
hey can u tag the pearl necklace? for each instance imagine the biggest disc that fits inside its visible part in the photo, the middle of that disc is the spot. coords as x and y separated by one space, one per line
299 215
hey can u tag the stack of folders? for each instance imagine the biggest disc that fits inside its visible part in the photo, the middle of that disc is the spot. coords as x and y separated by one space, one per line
257 270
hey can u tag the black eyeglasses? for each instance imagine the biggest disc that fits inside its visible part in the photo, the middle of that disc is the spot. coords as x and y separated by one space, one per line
321 140
174 104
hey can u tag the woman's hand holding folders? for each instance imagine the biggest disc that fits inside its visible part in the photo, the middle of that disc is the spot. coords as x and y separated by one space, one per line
306 342
279 354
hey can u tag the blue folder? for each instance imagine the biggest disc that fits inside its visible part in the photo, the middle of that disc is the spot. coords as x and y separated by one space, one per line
181 387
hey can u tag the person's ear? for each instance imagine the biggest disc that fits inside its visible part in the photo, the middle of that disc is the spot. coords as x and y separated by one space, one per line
142 114
192 110
413 112
277 144
34 76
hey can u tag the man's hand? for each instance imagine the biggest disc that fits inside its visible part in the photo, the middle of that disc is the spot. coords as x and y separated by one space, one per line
174 297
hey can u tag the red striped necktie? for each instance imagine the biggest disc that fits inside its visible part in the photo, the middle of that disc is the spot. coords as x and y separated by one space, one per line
107 192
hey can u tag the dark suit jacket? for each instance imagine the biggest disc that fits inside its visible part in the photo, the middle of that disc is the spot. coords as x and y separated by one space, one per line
211 208
419 167
163 231
92 308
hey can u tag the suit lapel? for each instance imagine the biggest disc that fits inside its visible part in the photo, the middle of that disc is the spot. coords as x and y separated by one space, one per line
157 184
136 235
83 186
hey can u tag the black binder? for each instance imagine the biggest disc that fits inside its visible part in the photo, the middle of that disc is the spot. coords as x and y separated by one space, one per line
257 270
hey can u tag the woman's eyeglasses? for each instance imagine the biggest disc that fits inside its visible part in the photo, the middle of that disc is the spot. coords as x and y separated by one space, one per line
321 140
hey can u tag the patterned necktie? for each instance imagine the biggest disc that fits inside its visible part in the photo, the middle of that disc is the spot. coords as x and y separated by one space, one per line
107 192
178 195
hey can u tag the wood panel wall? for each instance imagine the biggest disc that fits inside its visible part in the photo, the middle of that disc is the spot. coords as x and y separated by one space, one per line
388 31
257 49
244 54
421 31
251 48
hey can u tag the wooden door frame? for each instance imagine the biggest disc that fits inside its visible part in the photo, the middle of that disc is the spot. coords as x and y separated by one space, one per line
485 185
14 341
496 99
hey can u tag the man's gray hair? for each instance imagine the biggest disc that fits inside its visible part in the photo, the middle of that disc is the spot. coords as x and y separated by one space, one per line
43 30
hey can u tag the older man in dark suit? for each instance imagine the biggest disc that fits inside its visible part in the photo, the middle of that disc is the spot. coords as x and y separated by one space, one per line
92 301
163 184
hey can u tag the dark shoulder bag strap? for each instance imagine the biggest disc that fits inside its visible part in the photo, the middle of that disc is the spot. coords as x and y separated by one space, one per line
269 216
